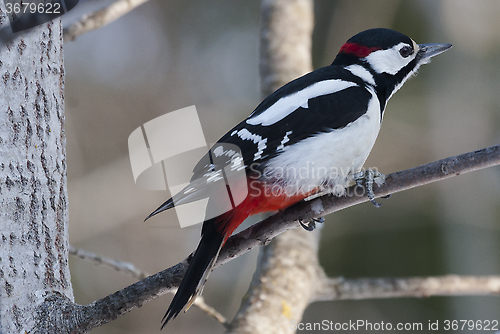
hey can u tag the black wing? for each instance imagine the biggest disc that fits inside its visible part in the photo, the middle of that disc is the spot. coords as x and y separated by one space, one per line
258 143
323 113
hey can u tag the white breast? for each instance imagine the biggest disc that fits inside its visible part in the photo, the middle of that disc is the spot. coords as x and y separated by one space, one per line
327 160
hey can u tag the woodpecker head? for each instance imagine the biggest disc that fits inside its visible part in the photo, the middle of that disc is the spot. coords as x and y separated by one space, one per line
389 57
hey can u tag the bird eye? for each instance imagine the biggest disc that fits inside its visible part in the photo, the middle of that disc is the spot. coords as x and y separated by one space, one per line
405 51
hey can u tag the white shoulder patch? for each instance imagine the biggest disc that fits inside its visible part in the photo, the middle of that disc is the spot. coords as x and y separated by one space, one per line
361 72
287 104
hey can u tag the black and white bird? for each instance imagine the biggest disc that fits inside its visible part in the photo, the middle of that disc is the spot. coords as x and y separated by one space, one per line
310 136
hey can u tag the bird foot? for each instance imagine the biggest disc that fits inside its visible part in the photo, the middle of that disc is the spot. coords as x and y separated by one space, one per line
311 224
368 177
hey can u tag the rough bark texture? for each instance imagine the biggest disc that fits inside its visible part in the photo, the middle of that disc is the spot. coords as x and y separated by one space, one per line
33 196
283 284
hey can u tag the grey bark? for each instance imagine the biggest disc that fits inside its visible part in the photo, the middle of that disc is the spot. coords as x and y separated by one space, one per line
33 194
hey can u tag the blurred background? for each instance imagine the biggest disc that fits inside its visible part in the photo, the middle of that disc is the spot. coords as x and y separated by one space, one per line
168 55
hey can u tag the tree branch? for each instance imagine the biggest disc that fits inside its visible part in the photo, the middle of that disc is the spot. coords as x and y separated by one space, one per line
135 295
371 288
125 267
131 270
100 18
264 231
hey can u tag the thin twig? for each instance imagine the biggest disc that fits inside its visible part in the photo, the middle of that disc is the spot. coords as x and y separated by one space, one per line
100 18
200 303
131 270
99 260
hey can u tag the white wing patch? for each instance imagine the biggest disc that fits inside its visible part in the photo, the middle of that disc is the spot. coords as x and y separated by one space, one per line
261 146
288 104
219 151
237 163
284 141
256 139
214 176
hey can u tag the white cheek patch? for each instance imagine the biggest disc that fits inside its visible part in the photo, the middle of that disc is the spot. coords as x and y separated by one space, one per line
389 61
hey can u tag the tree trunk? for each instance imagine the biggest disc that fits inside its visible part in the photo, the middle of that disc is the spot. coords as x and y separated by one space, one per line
33 194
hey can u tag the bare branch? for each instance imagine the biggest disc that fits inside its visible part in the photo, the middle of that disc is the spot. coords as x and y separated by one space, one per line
371 288
135 295
200 303
99 260
264 231
100 18
131 270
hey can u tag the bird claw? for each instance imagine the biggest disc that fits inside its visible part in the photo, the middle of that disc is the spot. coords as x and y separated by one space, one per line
368 177
308 226
311 224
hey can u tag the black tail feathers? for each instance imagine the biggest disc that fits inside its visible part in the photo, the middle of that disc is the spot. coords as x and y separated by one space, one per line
199 267
165 206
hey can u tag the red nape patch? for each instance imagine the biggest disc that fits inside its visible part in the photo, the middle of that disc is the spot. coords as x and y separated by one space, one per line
357 50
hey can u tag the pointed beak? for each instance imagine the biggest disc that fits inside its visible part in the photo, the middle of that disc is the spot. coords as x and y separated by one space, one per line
432 49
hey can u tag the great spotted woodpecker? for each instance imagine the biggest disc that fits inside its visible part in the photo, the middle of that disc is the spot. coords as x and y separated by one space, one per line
324 124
